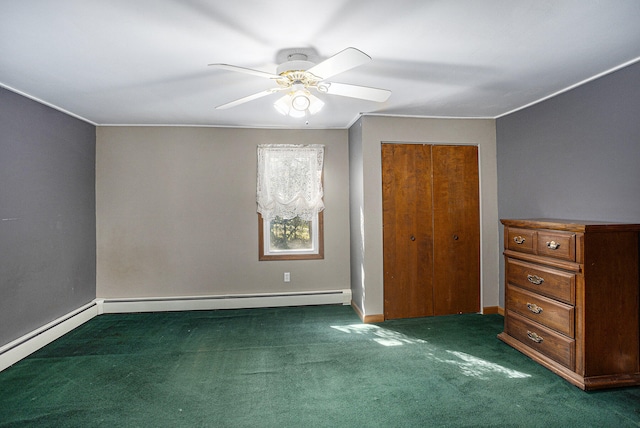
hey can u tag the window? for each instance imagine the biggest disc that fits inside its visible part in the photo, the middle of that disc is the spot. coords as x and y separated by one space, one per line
293 239
289 198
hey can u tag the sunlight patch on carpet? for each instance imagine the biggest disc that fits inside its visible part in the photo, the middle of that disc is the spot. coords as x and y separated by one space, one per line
383 336
476 367
467 364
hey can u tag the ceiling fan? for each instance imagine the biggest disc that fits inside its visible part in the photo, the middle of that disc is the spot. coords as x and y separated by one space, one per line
297 77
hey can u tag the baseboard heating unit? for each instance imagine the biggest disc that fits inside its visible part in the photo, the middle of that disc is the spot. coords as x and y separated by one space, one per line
227 301
24 346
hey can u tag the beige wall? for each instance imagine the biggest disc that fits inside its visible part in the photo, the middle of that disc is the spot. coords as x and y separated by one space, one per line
366 136
176 213
175 209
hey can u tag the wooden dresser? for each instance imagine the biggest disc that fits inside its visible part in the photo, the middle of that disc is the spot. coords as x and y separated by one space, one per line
572 298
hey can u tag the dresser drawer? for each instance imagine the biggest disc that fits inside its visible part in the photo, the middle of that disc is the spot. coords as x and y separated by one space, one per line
551 313
550 282
521 240
559 245
543 340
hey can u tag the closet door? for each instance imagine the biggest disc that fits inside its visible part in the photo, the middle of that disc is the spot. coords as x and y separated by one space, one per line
456 230
407 230
431 230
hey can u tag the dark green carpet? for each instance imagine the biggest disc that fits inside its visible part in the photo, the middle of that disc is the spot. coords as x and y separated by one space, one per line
296 367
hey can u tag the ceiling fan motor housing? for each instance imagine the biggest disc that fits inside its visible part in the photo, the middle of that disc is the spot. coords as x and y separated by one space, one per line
295 65
294 72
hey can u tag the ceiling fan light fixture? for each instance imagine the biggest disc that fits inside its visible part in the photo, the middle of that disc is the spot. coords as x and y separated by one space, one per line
315 104
300 100
282 105
298 104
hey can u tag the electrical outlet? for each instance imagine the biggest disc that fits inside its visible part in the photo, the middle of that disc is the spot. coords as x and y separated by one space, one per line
287 277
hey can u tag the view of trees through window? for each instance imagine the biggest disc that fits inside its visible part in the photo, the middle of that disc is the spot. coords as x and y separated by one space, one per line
292 234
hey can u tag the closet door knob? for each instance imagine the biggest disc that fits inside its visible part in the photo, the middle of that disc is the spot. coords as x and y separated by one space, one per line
455 237
413 238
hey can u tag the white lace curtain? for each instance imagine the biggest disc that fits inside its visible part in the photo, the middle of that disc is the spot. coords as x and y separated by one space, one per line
290 181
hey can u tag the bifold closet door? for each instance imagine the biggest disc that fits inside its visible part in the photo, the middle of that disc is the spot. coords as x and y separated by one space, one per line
456 230
431 230
407 230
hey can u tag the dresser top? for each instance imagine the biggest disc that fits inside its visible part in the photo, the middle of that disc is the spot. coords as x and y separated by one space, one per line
571 225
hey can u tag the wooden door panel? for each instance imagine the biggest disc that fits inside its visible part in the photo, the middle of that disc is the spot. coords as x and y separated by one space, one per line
407 230
456 226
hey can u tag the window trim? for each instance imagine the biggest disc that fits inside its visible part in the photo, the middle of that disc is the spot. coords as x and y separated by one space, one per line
291 256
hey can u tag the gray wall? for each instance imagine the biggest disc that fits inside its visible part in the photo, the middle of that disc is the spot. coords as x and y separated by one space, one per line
47 215
176 213
574 156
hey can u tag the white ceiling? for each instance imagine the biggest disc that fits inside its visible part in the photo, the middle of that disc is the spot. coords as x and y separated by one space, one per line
145 61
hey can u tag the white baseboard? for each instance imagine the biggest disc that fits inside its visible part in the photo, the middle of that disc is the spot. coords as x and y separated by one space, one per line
236 301
24 346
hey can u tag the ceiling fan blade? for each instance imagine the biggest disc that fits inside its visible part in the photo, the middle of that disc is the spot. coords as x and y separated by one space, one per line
342 61
247 99
355 91
246 71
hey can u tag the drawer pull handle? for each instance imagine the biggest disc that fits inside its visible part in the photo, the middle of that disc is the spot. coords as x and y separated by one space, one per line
553 245
534 308
534 337
518 240
535 279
